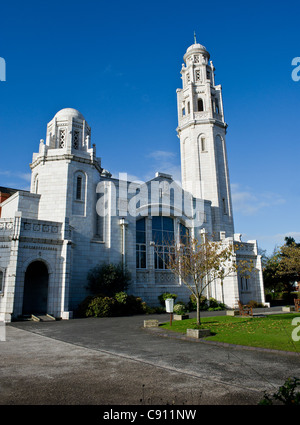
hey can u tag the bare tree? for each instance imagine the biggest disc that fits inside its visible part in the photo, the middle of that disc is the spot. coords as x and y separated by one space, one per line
199 263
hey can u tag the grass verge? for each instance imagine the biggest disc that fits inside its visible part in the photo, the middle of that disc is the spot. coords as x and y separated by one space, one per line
273 331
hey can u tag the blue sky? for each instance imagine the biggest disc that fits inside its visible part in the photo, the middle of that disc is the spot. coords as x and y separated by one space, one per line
119 64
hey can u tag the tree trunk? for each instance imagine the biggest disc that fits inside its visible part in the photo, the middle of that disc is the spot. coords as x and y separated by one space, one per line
198 311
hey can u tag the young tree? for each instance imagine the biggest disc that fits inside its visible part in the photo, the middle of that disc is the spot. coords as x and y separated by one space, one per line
289 265
282 268
199 263
273 282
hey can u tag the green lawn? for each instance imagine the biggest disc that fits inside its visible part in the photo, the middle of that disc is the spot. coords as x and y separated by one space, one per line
273 331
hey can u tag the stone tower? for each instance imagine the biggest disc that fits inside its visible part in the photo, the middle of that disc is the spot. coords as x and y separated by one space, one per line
65 171
202 131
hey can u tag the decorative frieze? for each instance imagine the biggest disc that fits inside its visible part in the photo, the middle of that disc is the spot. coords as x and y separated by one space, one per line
6 225
46 228
39 247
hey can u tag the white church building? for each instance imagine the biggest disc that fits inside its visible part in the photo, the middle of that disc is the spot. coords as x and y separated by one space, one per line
77 215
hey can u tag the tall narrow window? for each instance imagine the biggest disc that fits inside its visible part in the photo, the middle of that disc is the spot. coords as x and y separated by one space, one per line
183 112
188 108
198 75
141 244
36 184
1 281
183 234
76 140
79 188
203 147
224 206
62 138
200 105
217 106
244 284
163 236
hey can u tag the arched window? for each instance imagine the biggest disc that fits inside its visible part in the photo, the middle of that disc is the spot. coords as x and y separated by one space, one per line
200 105
141 244
163 237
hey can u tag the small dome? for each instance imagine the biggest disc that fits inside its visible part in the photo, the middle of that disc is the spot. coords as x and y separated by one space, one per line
196 48
69 113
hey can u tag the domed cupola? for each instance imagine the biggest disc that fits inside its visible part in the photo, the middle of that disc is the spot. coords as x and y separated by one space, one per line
69 131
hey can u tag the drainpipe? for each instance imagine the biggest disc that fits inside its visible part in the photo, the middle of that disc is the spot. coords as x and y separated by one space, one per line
123 225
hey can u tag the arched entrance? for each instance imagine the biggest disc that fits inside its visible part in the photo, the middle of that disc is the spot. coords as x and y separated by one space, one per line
35 288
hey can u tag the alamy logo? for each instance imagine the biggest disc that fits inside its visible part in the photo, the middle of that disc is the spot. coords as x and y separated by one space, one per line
2 70
296 71
295 333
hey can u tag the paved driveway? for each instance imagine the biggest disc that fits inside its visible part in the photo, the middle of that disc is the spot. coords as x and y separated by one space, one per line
115 361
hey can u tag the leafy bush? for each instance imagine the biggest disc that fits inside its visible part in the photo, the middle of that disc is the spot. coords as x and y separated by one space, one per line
83 306
121 297
133 305
100 306
285 395
215 305
179 308
255 304
162 298
108 279
121 304
192 304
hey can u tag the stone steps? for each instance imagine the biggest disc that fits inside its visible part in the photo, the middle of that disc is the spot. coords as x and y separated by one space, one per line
42 318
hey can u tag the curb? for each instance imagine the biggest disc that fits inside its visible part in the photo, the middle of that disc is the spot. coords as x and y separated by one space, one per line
176 335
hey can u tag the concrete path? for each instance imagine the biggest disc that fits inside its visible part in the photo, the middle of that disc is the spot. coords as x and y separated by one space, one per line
114 361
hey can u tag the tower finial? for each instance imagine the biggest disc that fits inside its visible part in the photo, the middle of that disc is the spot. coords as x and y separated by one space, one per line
195 41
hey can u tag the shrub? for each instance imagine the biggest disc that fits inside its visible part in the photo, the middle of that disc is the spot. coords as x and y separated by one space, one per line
100 306
121 297
162 298
192 305
255 304
121 304
108 279
134 305
179 308
215 305
83 306
286 394
129 304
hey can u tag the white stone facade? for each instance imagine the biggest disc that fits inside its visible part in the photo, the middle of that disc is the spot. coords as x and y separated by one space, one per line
77 216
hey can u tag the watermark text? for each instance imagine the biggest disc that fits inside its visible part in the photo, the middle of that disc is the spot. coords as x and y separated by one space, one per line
2 69
296 71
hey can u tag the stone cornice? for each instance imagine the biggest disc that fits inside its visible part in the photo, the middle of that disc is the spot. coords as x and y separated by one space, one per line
66 157
191 123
